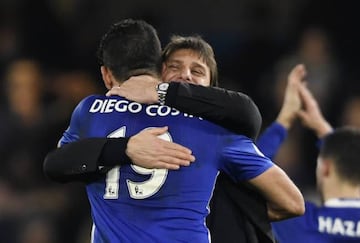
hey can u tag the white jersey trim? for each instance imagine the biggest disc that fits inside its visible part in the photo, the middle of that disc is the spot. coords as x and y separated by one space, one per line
343 203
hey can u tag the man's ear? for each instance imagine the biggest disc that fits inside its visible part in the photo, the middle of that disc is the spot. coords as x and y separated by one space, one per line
327 167
163 67
107 77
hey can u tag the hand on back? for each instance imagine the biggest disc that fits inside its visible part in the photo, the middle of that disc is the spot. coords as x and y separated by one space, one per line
147 150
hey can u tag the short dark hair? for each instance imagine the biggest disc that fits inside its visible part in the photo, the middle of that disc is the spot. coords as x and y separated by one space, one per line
130 47
343 147
198 45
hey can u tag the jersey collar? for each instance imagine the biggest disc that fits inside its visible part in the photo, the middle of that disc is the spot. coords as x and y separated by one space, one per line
343 203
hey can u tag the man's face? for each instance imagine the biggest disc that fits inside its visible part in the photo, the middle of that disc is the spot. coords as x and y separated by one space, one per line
185 65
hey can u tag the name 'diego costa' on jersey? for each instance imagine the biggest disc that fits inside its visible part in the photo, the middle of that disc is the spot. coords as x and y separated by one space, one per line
115 105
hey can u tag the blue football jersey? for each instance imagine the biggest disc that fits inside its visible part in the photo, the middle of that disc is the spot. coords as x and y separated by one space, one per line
135 204
338 223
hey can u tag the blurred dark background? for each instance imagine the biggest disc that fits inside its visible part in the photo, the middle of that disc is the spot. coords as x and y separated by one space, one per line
48 64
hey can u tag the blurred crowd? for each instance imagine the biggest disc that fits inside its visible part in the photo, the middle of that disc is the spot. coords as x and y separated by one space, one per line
48 64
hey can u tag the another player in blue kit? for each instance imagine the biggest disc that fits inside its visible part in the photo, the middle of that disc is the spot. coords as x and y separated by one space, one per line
134 204
337 219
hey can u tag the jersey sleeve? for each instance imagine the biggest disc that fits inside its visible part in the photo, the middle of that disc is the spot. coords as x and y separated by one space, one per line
242 160
72 133
232 110
271 139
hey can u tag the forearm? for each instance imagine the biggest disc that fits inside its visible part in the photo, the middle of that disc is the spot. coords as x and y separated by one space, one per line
283 198
79 161
232 110
276 214
322 129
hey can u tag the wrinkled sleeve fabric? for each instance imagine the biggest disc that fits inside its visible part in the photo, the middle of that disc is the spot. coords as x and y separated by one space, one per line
242 159
82 160
230 109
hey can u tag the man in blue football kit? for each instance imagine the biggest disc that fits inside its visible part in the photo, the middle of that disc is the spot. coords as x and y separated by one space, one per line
190 59
338 218
134 204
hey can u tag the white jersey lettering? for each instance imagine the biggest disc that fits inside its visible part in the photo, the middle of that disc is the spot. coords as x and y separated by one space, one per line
114 105
338 226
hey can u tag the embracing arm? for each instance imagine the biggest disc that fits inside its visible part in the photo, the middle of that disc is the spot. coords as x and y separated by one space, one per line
284 199
80 160
244 162
230 109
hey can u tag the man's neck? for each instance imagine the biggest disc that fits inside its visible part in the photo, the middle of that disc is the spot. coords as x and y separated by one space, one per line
342 190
